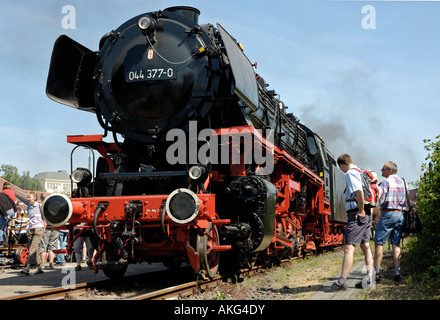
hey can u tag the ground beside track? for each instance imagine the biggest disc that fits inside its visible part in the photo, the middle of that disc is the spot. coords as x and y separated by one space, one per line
13 282
307 280
297 280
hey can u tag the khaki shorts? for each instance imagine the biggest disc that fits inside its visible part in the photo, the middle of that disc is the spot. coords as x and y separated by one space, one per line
357 230
49 241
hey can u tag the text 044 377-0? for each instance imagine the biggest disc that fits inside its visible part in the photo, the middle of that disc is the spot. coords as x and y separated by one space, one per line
151 74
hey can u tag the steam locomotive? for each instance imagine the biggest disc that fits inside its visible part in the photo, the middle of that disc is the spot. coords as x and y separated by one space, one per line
212 171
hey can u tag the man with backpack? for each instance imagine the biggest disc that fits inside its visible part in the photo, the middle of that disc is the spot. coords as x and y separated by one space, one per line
393 203
358 228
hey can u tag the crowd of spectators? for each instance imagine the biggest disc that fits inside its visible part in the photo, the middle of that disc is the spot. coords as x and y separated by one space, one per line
23 225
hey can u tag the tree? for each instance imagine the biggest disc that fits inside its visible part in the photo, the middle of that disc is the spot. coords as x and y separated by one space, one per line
10 173
424 254
25 181
28 183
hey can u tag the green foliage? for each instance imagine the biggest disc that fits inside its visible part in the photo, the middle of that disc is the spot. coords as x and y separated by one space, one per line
424 253
10 173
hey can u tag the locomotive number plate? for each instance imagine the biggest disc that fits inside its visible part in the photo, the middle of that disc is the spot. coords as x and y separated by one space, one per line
151 74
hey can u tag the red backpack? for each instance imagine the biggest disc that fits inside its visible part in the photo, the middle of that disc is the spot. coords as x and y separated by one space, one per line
369 187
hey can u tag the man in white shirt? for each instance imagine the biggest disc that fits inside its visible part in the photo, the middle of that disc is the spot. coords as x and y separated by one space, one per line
358 228
34 233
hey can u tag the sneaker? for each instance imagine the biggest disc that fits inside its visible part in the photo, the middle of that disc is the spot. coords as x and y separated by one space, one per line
336 287
397 278
39 270
78 268
363 285
377 278
51 267
26 271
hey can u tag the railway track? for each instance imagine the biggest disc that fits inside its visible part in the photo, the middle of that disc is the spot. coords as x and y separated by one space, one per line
187 289
168 293
60 293
178 291
172 292
100 289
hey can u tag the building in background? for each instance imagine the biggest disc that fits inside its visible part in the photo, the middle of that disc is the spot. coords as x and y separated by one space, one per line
55 181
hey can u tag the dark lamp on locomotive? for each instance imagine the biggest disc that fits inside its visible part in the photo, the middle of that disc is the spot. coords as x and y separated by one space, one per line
82 177
57 209
182 206
146 23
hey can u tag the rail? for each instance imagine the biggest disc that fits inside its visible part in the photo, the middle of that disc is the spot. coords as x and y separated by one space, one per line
179 291
60 293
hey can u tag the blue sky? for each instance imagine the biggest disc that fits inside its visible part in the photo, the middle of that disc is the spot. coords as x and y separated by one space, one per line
371 93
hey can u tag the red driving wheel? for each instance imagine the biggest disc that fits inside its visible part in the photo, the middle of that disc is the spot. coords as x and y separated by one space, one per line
21 255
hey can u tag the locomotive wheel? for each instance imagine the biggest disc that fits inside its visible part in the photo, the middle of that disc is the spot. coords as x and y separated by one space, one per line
248 261
171 263
209 260
21 255
279 255
299 252
115 273
264 258
290 252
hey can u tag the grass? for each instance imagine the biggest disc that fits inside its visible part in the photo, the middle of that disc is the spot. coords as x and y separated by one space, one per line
299 280
411 287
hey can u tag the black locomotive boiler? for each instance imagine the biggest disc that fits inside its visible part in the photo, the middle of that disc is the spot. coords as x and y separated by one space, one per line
211 171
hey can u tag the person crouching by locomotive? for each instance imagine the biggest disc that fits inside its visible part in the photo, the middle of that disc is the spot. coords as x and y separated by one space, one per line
358 228
392 203
34 233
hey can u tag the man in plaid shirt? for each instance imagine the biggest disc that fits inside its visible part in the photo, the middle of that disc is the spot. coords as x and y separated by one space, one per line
392 200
